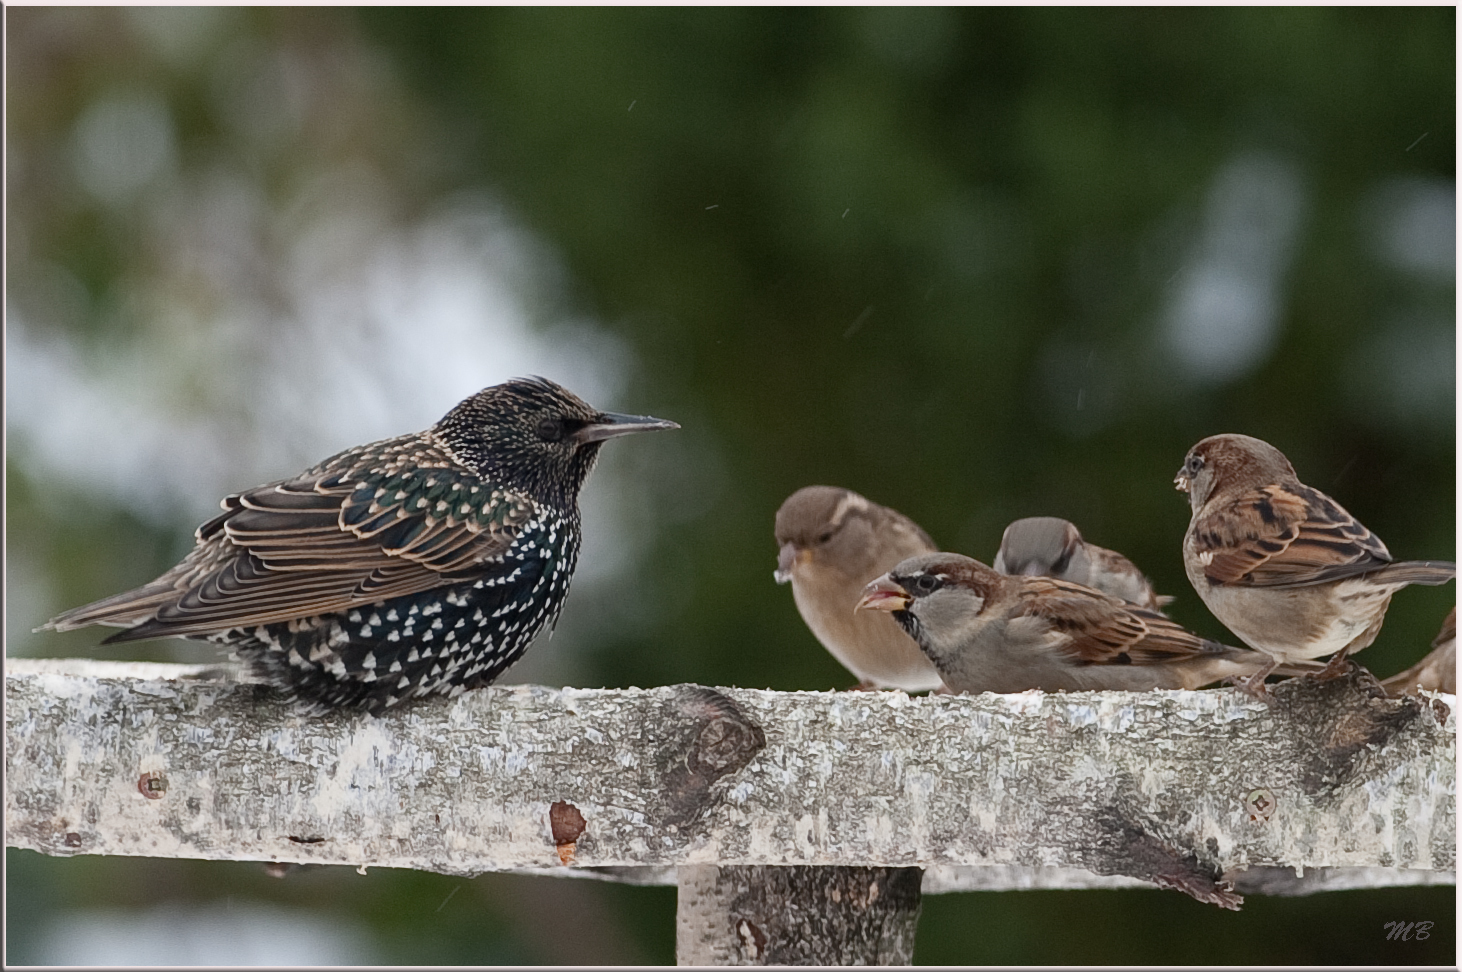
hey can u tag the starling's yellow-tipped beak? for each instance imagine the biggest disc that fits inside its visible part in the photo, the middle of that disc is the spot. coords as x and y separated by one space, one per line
883 595
612 424
787 558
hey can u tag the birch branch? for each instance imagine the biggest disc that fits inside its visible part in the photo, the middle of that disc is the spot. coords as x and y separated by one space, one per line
1179 789
949 878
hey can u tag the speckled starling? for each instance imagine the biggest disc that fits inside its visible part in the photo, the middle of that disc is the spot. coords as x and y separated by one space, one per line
424 564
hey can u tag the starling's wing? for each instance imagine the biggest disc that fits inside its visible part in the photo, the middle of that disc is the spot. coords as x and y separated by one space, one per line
326 543
1103 630
1284 536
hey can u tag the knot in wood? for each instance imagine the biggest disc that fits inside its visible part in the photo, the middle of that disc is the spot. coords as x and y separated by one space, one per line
1346 717
725 743
1440 711
708 737
753 939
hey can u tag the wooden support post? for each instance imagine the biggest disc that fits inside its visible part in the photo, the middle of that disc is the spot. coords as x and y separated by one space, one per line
796 915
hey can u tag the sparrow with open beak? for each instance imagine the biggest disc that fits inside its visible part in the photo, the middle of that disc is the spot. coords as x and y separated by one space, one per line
833 541
992 632
1281 564
1048 546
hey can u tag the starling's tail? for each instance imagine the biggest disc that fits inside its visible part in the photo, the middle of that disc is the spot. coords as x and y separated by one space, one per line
1429 572
120 610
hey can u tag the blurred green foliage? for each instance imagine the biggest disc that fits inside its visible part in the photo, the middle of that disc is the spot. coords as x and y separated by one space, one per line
855 246
924 253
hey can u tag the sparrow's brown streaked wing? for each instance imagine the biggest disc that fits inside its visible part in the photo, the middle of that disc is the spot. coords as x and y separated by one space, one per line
1284 536
1106 631
1134 585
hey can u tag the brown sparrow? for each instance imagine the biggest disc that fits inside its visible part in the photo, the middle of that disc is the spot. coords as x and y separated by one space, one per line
832 542
1048 546
1281 564
992 632
1437 672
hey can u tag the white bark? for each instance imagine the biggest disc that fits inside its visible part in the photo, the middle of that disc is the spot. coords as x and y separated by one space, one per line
1180 789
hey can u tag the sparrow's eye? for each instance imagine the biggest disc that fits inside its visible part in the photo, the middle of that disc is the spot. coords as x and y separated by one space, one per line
550 428
1193 466
928 583
825 536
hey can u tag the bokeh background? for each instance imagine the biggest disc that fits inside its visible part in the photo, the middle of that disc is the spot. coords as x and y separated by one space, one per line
974 263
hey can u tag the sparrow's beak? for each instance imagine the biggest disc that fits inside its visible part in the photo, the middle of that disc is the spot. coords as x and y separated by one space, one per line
1181 482
883 595
787 558
611 424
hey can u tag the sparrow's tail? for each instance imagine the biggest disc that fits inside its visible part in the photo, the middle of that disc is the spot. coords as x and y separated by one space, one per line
1429 572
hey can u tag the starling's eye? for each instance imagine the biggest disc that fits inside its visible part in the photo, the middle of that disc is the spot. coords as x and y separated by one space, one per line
1194 465
550 428
825 537
928 583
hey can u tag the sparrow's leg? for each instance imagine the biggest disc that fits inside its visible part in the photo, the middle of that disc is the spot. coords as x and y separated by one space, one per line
1254 683
1339 665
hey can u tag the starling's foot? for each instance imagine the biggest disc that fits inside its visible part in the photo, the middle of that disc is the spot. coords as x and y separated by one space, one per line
864 686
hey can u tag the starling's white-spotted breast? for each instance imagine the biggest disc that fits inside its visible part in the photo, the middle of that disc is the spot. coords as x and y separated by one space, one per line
424 564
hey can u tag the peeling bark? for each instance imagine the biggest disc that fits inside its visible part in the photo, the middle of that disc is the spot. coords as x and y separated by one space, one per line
1181 789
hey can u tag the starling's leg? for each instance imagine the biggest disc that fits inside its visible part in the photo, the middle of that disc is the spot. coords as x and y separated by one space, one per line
864 686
